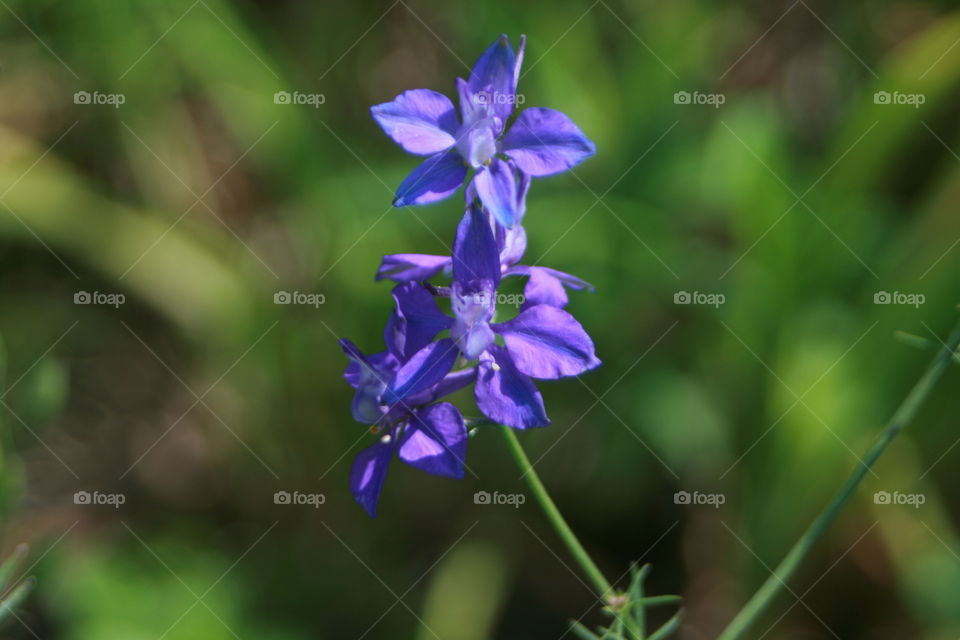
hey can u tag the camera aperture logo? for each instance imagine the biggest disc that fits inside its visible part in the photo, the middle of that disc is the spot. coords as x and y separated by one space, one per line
496 498
97 98
911 499
299 297
696 498
710 299
696 97
96 498
896 97
896 297
297 498
99 298
297 97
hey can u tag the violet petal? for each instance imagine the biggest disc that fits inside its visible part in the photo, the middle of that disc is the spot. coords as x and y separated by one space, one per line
507 396
435 441
421 121
493 80
497 187
368 472
435 179
424 369
415 321
475 253
547 343
404 267
544 141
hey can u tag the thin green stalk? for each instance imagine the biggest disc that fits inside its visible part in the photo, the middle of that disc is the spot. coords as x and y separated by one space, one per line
553 515
901 418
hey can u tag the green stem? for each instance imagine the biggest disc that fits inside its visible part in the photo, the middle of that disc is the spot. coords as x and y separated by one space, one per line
553 515
901 418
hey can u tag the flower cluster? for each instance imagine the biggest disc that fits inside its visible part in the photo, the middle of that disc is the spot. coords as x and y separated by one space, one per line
429 353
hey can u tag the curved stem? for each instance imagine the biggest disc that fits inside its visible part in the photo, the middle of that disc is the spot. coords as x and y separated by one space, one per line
556 519
901 418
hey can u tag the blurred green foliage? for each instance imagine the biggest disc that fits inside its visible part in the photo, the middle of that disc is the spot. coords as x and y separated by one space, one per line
798 199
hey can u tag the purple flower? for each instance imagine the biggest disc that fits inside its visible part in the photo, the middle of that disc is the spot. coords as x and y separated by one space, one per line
396 392
539 142
541 342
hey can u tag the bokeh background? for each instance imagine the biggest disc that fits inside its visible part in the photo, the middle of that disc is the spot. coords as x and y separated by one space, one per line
798 199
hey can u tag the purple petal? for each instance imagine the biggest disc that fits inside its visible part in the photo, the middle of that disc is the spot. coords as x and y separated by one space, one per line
353 352
519 61
352 374
475 253
365 406
513 244
496 185
453 383
382 362
368 472
470 110
544 141
415 321
493 80
421 121
546 286
405 267
513 240
435 179
543 288
546 342
368 376
569 280
507 396
424 369
435 441
523 186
